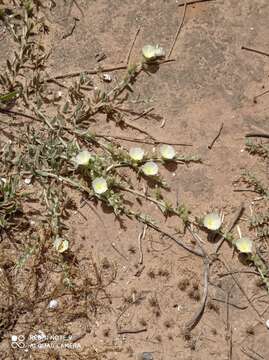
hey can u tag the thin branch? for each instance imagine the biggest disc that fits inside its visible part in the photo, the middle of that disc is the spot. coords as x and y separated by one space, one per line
95 71
199 313
143 113
255 51
192 2
260 95
141 141
141 237
257 135
17 113
108 68
132 46
230 228
231 304
216 137
261 320
137 128
178 30
252 354
130 331
178 242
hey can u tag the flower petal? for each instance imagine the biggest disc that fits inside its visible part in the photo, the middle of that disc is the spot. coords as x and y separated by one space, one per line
167 152
150 168
61 244
99 185
136 153
212 221
151 52
83 158
244 245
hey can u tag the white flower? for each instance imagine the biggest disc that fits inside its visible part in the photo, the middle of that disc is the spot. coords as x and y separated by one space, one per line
150 168
53 304
244 245
99 185
152 52
136 153
61 244
167 152
83 158
212 221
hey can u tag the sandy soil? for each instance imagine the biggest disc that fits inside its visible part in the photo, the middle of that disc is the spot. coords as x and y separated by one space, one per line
212 81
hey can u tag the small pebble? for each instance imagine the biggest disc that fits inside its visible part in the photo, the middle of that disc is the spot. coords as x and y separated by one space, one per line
28 181
107 77
267 323
58 95
53 304
145 356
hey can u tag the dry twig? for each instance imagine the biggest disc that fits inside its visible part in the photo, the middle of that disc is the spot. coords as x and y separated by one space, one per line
255 51
178 30
132 46
260 317
216 137
141 237
193 2
230 228
199 313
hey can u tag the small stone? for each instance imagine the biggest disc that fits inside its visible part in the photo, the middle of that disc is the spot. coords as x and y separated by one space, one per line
53 304
267 323
58 95
145 356
107 77
28 181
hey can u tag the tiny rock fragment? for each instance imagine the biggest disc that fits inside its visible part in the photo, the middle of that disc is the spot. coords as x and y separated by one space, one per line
28 181
53 304
145 356
107 77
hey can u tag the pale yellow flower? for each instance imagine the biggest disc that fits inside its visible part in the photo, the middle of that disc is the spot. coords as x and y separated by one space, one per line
244 245
167 152
150 168
99 185
61 244
83 158
136 153
212 221
152 52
